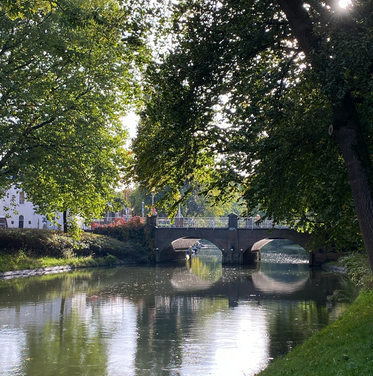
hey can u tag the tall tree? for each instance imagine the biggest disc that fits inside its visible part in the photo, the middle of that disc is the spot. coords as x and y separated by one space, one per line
68 72
195 204
272 98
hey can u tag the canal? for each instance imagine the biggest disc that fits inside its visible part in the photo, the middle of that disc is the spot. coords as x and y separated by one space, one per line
195 318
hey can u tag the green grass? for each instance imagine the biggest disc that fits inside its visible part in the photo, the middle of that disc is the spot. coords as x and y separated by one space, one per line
344 348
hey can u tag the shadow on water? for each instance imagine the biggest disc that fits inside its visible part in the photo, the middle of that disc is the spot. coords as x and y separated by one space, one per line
191 318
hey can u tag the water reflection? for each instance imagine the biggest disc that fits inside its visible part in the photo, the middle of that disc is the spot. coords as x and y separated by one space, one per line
201 271
195 319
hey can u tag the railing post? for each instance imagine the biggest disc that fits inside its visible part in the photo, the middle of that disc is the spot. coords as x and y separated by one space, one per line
232 221
179 221
152 220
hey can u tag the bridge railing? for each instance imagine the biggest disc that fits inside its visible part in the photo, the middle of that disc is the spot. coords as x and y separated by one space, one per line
216 222
194 222
252 223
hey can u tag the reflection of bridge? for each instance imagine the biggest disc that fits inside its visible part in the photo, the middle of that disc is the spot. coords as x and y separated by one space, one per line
239 241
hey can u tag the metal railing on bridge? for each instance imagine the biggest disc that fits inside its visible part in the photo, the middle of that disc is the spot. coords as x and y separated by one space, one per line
194 222
218 222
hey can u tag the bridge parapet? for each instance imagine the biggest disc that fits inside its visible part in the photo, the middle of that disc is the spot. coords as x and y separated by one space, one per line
217 222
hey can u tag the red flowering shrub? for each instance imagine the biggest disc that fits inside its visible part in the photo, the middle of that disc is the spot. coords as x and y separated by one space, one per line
94 225
133 231
119 221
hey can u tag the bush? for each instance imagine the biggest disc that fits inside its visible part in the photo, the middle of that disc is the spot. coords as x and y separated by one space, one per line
48 243
358 268
133 233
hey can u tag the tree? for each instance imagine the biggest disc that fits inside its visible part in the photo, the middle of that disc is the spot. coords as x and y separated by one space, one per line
69 71
195 204
139 198
272 99
200 205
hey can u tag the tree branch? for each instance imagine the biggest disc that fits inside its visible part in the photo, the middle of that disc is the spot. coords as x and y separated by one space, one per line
300 23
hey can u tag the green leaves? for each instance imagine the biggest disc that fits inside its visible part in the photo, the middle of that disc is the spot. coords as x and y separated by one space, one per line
237 106
68 72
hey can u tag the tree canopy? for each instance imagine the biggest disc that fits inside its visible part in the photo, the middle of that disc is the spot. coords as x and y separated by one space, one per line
196 205
272 99
68 71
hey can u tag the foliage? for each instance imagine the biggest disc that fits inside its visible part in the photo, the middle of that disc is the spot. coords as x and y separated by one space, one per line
121 229
69 71
357 265
139 196
243 103
195 204
36 247
133 232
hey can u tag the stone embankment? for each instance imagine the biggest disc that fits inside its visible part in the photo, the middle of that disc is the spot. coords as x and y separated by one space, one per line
39 271
49 270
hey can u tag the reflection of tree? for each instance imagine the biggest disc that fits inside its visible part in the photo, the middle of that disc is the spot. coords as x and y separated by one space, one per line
73 349
210 272
165 324
291 323
160 339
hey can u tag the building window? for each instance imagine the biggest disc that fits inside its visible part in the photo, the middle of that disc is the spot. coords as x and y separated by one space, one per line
29 222
20 221
22 198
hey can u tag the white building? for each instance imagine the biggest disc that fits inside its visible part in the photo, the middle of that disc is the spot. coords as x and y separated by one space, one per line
17 212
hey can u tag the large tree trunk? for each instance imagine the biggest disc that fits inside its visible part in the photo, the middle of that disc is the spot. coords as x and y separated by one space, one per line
345 129
348 134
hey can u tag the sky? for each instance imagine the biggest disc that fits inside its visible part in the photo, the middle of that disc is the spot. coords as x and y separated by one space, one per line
130 122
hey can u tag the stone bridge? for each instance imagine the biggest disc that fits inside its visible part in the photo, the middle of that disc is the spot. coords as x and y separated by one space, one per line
238 244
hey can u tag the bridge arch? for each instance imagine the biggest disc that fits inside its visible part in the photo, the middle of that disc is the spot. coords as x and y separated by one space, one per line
172 243
254 242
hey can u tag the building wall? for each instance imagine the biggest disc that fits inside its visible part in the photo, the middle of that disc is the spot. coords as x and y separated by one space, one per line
14 205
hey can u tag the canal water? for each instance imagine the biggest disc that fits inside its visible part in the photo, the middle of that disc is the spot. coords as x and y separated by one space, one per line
195 318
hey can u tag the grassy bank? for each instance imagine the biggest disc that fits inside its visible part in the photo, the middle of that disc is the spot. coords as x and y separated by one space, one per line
31 249
344 348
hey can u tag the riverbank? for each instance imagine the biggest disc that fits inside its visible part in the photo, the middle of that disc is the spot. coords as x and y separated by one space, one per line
29 250
344 348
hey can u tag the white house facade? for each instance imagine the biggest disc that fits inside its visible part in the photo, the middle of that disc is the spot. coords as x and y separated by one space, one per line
17 212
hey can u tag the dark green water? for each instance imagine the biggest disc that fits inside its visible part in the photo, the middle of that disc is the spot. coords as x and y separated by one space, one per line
194 319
